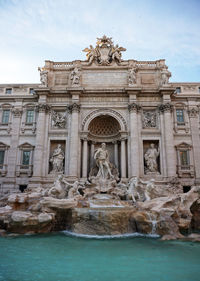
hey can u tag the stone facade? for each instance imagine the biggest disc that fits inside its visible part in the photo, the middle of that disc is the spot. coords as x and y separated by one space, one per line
127 104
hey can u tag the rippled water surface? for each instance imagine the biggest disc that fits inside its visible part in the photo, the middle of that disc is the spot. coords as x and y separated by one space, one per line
61 257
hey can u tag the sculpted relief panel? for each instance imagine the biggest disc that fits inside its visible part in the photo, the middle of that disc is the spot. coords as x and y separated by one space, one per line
58 119
149 119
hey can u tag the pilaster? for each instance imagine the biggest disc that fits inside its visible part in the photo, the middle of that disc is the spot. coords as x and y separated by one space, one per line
170 153
74 109
42 109
13 151
134 142
193 113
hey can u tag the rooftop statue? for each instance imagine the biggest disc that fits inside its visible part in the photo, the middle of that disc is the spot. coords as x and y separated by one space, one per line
43 77
105 52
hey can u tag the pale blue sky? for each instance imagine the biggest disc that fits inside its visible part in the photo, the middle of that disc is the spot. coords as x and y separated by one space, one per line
32 31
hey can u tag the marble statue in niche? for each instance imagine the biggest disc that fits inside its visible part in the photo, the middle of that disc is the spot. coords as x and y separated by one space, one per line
102 161
149 119
151 159
58 119
57 160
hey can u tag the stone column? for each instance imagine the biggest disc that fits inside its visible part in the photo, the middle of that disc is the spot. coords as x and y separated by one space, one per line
116 154
123 158
134 145
162 146
12 153
91 155
85 158
166 110
194 125
40 139
74 140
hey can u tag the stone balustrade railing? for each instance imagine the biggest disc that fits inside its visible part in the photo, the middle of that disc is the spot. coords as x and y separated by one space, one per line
61 65
146 64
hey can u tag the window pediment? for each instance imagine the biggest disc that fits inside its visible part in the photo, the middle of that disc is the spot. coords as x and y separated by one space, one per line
6 106
183 145
4 146
26 145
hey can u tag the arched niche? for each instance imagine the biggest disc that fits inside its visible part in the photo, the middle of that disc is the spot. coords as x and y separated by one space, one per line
104 112
104 127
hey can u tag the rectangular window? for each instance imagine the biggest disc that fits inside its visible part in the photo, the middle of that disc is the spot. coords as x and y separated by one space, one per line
31 91
2 154
26 158
29 116
180 116
184 158
5 116
9 91
178 90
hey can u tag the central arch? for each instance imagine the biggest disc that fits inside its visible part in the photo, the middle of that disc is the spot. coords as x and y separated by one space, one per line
101 112
104 126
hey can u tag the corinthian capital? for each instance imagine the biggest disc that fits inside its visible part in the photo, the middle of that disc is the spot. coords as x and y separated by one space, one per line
134 107
193 112
43 107
166 107
75 107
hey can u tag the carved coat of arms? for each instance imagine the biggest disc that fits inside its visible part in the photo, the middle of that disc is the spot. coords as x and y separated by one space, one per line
105 52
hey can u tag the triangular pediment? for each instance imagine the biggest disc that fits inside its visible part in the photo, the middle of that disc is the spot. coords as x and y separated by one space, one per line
26 145
3 145
183 145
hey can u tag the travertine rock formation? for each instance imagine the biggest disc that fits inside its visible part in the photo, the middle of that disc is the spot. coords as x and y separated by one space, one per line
166 213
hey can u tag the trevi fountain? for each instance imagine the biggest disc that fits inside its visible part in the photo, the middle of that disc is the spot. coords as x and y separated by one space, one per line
123 178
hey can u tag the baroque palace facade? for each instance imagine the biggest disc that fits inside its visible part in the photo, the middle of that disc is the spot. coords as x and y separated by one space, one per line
130 105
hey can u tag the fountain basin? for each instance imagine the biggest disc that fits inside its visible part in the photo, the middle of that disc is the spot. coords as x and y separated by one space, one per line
61 257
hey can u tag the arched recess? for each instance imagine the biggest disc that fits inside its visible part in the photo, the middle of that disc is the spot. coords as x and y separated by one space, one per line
104 112
109 126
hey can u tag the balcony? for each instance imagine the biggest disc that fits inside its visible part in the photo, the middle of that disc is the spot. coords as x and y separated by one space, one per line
185 171
24 170
3 170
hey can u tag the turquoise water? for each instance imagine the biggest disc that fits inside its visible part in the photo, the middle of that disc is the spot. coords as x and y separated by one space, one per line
65 258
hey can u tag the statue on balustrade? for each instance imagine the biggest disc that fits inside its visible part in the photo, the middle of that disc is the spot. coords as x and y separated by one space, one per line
102 161
43 77
165 75
75 76
57 160
132 76
151 157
